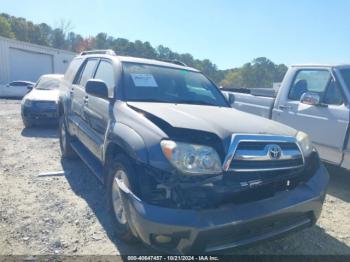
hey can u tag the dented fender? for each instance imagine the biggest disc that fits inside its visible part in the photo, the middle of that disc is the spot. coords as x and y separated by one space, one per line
128 139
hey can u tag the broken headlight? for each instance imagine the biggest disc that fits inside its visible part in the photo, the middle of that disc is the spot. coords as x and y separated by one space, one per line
192 159
304 143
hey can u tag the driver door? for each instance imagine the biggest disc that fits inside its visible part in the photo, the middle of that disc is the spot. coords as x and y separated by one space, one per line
326 123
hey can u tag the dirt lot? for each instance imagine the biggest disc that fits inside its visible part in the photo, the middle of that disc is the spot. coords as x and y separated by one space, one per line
65 213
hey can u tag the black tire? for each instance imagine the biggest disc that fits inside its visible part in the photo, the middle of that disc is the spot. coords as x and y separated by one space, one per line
120 163
65 140
27 123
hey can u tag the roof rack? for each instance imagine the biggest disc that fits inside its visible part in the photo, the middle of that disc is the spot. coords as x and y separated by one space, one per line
173 61
98 52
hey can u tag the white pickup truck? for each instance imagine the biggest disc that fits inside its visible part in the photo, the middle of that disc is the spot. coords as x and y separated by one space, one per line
311 98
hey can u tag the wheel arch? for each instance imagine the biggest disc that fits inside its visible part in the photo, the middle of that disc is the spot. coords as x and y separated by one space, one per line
124 140
60 108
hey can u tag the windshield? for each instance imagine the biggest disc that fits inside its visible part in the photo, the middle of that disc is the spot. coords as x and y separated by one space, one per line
47 84
345 73
148 83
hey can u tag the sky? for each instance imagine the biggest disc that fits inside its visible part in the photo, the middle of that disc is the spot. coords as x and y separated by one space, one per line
228 32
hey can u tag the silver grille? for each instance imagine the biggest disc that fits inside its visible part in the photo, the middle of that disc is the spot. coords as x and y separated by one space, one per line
45 104
251 153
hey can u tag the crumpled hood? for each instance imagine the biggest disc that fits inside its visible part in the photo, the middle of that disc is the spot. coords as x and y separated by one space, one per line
218 120
43 95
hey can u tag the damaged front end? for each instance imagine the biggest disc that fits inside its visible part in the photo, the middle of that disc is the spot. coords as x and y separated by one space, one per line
176 190
183 215
246 170
205 188
254 197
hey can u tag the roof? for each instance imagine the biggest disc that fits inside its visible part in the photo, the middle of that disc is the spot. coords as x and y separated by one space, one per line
153 62
142 61
23 81
323 65
57 76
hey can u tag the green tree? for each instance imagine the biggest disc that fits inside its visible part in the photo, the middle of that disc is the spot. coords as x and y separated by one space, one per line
58 39
164 52
260 73
101 41
232 79
280 72
5 28
43 34
74 42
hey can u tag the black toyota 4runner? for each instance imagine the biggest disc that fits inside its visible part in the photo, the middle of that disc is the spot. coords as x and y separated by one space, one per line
185 172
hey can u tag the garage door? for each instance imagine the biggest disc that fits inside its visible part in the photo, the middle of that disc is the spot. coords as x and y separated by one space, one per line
26 65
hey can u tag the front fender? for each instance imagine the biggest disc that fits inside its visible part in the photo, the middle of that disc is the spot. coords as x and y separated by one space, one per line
64 102
129 140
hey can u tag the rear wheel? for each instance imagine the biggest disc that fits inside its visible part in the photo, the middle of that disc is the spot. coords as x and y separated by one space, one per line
120 170
65 140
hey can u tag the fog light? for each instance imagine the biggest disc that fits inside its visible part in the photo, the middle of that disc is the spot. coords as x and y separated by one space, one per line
162 239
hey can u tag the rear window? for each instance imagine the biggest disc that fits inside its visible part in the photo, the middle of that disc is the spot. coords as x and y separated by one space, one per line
345 73
72 69
87 72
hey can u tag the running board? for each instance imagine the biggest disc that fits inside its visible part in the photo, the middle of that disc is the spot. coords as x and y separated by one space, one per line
89 159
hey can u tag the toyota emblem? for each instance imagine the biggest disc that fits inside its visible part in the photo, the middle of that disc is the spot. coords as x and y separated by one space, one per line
274 151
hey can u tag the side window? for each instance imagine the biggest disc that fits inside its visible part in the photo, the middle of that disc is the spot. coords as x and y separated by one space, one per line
16 84
87 72
309 81
105 72
333 94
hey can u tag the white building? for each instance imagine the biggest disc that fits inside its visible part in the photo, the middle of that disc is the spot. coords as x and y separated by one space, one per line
26 61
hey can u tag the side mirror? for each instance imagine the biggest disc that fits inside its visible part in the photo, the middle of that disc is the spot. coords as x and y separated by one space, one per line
310 98
229 97
7 85
29 88
97 88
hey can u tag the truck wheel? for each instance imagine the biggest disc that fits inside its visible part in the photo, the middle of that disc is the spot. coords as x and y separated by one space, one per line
65 140
27 123
121 168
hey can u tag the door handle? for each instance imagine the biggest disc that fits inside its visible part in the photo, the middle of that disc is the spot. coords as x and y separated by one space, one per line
86 100
285 107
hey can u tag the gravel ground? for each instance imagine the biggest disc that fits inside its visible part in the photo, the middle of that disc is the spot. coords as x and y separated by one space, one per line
65 213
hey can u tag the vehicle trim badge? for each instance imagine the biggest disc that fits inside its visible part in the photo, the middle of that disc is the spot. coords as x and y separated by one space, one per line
271 152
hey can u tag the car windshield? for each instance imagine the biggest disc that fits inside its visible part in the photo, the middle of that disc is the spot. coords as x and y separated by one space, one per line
47 84
345 73
148 83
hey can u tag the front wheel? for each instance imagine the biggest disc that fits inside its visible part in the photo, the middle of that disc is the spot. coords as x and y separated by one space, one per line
65 140
121 170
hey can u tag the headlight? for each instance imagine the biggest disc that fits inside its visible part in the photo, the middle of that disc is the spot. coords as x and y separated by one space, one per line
28 102
304 143
192 159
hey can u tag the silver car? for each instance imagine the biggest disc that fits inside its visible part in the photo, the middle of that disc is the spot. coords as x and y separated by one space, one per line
40 105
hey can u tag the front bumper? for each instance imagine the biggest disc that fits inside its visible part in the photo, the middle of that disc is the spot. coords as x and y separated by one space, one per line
230 225
37 114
